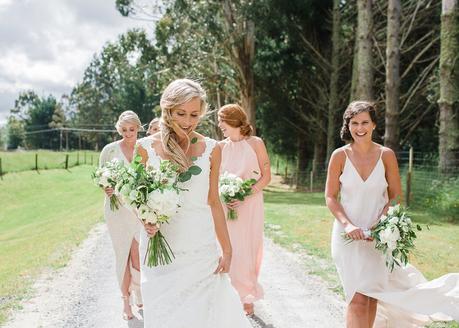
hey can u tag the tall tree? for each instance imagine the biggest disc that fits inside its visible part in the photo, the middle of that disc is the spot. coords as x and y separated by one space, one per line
333 103
449 86
15 132
240 29
58 121
392 85
363 74
36 113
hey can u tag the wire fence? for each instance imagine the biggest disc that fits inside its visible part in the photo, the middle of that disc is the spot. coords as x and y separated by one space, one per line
44 159
422 181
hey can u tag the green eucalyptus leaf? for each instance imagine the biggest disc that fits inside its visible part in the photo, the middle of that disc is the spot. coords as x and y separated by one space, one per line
194 170
194 140
185 176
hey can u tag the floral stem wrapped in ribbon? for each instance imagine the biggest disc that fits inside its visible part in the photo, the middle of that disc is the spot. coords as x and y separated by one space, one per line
394 236
232 188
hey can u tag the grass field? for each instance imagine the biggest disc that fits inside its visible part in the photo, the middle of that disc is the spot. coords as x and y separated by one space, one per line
43 218
302 220
25 160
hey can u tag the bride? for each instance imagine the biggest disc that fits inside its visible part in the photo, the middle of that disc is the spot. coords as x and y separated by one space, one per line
194 290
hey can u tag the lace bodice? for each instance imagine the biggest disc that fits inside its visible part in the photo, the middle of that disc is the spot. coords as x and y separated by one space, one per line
193 225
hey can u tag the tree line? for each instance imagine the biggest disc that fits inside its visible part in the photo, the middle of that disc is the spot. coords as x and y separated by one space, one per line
294 66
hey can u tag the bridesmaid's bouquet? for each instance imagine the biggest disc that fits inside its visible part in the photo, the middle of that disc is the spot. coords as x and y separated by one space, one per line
233 188
107 177
154 194
394 236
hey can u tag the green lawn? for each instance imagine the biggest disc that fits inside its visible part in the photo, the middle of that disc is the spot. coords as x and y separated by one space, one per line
25 160
301 220
43 218
45 215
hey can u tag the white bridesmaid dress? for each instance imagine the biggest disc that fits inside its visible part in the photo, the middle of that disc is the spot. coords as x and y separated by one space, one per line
186 293
405 297
123 226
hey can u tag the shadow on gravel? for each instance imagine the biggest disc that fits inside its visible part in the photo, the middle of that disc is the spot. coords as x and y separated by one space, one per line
137 321
259 323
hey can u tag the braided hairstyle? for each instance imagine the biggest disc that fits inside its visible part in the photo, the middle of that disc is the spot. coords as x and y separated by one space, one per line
177 93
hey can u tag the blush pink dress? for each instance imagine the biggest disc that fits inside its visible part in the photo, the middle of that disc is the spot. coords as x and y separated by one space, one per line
246 232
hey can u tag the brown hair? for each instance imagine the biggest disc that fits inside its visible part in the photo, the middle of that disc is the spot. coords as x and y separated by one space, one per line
353 109
234 116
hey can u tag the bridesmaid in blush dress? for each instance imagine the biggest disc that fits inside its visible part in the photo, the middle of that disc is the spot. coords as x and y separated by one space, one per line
365 175
246 157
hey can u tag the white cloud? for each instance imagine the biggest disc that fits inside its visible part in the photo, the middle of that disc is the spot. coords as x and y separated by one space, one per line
46 45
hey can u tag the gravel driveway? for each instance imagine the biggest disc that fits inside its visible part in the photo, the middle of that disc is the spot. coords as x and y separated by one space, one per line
85 293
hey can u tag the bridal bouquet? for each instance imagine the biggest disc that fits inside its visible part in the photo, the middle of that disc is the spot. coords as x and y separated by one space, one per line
154 194
394 236
232 187
107 177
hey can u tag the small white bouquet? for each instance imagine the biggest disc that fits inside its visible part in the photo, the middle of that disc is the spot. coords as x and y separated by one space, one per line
232 187
107 177
394 236
154 194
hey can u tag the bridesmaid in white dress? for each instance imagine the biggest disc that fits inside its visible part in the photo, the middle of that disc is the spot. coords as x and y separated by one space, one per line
366 176
194 291
123 225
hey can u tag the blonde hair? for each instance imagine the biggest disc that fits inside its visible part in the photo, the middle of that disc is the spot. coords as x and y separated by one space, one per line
177 93
128 117
234 116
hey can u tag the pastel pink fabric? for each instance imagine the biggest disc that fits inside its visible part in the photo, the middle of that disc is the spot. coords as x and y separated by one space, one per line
246 232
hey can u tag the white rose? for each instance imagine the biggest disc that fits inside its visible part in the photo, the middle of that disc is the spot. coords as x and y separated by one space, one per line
224 189
133 195
148 216
125 190
394 220
164 203
389 236
393 209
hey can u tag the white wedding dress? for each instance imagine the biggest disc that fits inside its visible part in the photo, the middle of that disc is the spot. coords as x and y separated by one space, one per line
405 297
186 293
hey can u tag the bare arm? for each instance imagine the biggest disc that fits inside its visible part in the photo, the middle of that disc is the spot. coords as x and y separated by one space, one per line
143 153
332 189
265 165
394 188
218 215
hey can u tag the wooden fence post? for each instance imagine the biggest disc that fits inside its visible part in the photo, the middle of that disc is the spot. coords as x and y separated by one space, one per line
286 169
84 157
277 166
311 176
36 162
78 158
408 178
66 161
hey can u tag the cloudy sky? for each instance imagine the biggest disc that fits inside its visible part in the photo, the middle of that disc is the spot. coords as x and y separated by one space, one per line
45 45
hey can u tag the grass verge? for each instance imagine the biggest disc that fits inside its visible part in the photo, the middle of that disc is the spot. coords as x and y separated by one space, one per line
43 218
